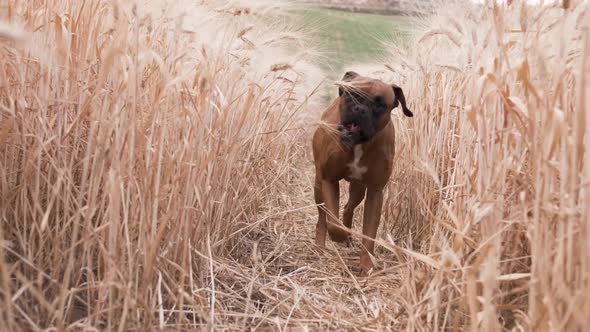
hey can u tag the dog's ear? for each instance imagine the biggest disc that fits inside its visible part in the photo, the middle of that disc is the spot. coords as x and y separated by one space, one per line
401 99
348 76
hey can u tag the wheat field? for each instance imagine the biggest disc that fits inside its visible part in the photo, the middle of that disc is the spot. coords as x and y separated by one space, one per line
156 174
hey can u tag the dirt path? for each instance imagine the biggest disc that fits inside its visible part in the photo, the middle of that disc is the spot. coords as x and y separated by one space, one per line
285 280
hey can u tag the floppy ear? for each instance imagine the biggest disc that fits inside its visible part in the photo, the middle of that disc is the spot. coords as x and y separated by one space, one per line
401 99
348 76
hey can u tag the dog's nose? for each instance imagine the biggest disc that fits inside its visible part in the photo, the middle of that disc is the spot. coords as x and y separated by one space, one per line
360 110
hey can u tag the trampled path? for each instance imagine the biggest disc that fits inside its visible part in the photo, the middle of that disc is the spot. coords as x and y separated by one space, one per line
279 278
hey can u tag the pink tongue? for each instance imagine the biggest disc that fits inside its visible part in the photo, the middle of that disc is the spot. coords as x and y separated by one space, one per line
354 128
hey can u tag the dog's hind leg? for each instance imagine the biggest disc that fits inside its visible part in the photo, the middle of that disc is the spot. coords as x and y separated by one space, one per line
320 228
356 196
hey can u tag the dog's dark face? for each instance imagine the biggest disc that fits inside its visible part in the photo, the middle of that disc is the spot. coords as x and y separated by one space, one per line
365 107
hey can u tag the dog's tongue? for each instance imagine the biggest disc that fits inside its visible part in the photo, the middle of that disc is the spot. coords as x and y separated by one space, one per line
353 128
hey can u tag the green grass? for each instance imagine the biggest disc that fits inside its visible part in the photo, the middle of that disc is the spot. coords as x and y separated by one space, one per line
346 38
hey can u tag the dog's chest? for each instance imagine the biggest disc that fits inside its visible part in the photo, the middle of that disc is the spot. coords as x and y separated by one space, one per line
356 171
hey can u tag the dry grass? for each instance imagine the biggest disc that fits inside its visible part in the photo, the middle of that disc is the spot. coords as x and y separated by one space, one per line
137 142
494 169
155 173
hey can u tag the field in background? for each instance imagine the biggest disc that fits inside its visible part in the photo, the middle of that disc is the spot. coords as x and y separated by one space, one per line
156 170
345 38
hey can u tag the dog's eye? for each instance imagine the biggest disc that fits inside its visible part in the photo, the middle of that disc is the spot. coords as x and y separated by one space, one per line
379 105
356 98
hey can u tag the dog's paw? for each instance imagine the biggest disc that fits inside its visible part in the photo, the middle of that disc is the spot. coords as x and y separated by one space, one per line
366 272
349 242
367 264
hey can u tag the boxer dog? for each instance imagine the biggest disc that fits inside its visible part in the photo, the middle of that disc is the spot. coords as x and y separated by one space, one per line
355 142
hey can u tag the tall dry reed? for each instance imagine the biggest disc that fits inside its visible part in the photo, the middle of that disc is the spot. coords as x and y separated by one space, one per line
142 144
491 182
136 140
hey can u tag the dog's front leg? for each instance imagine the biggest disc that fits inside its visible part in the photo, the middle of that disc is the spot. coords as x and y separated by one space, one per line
321 227
371 219
328 194
331 194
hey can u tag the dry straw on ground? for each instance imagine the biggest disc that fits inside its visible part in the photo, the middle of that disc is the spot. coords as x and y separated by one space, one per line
155 173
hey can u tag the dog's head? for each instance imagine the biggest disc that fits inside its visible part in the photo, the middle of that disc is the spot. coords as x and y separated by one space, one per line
365 106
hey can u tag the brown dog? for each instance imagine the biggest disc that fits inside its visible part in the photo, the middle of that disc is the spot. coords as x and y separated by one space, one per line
355 143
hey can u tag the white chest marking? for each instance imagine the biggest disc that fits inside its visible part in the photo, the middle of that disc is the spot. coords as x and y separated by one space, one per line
356 171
